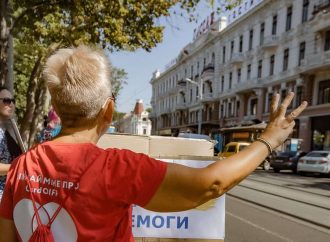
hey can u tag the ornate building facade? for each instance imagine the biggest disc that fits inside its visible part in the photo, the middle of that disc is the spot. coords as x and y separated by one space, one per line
262 48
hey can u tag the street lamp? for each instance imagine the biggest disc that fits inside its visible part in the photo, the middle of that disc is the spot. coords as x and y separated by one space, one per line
200 94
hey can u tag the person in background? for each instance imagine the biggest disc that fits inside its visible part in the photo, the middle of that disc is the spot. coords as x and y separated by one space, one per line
92 190
9 149
52 127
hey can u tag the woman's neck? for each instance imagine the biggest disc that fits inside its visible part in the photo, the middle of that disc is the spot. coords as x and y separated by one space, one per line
71 135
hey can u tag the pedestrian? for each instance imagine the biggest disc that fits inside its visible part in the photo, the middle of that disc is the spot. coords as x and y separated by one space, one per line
85 193
9 149
52 127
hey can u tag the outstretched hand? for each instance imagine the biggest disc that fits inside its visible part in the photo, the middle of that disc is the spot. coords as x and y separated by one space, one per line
280 125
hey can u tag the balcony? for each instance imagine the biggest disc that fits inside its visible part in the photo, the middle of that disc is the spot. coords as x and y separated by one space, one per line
270 42
237 58
319 59
208 67
321 6
207 97
321 23
181 106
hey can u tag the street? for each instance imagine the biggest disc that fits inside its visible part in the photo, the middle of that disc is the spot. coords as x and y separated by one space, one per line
279 207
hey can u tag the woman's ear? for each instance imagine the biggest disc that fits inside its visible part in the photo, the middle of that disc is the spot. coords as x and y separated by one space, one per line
108 110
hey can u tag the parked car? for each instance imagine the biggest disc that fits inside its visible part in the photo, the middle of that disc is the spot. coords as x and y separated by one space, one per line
286 161
315 161
235 147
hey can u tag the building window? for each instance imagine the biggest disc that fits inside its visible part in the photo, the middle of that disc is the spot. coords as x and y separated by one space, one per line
271 65
224 54
213 59
241 44
197 96
230 110
253 106
231 48
239 75
286 59
301 52
288 18
221 111
230 79
305 11
262 33
191 92
198 68
327 41
144 131
237 108
248 72
283 94
324 92
299 94
259 68
274 26
251 39
222 83
204 62
192 72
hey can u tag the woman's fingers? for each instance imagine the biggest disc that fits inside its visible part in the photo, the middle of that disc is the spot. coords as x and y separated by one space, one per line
286 102
274 106
295 113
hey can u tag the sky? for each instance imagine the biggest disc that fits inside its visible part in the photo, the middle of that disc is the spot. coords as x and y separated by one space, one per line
140 64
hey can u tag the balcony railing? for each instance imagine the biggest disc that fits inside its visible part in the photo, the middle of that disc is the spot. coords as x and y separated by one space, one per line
320 6
270 41
319 59
207 97
181 106
237 58
208 67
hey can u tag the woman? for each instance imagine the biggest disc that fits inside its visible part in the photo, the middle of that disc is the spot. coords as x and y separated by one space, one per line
92 190
8 146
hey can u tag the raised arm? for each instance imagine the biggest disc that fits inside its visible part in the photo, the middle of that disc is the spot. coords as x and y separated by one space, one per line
185 188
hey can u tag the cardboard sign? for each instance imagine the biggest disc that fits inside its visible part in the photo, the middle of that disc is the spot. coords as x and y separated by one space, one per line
204 222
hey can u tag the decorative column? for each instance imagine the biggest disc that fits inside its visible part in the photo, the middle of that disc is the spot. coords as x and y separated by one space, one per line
261 102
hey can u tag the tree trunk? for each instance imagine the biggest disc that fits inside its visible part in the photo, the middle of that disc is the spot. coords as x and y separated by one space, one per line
30 102
40 101
4 36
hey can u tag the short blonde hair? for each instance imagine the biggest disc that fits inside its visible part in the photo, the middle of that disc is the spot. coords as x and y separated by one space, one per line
78 80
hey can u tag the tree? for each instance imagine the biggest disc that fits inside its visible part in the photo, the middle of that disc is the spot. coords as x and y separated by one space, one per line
46 25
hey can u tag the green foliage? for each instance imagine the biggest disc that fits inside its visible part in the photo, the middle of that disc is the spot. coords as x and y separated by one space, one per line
113 25
117 116
118 79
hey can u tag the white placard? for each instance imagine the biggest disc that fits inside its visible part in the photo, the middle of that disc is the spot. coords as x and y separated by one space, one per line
204 222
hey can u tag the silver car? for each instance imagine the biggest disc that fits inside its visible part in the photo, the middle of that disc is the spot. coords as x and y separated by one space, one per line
315 161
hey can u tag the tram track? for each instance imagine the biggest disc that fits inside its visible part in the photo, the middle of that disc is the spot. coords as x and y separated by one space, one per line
286 197
313 208
295 188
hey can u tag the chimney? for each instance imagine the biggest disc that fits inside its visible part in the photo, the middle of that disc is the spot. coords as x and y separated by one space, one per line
138 107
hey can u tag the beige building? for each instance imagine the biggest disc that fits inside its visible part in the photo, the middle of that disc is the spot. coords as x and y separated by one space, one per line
236 64
136 122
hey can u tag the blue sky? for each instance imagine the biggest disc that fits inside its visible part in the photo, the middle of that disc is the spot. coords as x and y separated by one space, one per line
141 64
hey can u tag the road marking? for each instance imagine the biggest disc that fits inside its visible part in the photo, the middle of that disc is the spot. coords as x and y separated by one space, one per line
259 227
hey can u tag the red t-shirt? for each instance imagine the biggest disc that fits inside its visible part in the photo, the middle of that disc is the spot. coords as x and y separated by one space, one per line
99 205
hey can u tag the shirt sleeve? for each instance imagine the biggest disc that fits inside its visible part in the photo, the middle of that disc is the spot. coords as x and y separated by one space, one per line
133 178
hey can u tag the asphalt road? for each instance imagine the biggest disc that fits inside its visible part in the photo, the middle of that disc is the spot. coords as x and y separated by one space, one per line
301 196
